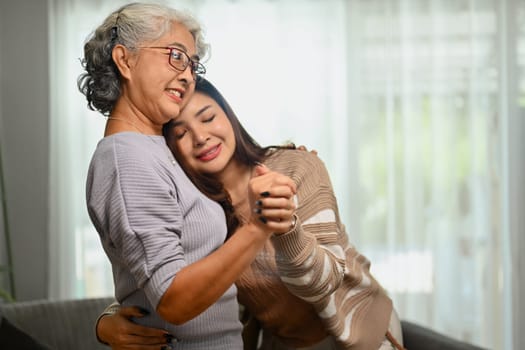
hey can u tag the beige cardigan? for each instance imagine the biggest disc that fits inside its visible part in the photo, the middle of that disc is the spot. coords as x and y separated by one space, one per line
315 265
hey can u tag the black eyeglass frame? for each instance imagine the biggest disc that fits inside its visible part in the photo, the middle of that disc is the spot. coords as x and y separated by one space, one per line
197 68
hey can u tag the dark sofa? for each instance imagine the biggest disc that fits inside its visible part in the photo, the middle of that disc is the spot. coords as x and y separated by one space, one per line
69 324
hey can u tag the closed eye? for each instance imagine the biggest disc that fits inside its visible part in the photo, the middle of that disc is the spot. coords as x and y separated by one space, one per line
210 119
179 134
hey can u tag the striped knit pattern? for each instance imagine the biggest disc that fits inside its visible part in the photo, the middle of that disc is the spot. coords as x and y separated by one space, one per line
317 263
152 222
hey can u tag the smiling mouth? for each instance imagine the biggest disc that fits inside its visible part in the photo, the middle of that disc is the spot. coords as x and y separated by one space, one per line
210 154
176 93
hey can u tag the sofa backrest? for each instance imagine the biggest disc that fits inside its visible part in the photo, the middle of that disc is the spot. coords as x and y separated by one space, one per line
70 324
417 337
60 325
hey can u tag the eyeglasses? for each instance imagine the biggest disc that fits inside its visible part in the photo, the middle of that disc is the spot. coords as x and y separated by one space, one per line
180 60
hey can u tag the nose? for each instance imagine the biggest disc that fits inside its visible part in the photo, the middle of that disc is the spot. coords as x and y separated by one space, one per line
187 75
200 138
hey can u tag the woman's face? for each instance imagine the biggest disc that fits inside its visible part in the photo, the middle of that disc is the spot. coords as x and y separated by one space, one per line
203 135
155 88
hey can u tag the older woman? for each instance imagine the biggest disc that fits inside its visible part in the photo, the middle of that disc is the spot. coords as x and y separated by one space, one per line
163 237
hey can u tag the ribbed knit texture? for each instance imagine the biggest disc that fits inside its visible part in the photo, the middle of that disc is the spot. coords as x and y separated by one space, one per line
152 222
318 265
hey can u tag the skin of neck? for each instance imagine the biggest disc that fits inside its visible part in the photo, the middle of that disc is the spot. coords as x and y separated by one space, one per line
137 121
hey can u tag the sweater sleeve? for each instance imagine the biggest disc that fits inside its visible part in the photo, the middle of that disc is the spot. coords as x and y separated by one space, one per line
311 258
135 209
111 309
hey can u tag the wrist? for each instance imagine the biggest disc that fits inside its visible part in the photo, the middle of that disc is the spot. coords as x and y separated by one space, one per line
97 323
255 231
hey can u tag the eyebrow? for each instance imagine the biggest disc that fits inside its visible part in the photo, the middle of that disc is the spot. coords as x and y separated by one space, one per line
179 45
199 112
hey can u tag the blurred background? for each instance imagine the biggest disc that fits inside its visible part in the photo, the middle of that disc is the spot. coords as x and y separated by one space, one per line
417 107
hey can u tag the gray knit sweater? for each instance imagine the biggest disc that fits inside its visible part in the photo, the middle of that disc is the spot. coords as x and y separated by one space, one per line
152 222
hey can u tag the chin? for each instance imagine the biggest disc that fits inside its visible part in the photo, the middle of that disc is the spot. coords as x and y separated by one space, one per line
210 171
175 113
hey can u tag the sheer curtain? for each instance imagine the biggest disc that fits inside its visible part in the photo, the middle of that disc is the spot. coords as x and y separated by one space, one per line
415 106
428 82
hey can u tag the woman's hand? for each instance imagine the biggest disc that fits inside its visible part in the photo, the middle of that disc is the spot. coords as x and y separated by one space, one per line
272 200
303 148
119 332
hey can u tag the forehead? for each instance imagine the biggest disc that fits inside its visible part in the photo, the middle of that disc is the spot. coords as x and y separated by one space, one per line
199 99
196 105
178 35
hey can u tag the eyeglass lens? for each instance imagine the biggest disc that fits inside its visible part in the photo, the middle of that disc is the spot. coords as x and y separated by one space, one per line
180 60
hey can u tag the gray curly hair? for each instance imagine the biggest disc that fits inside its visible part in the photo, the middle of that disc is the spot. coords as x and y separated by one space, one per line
130 25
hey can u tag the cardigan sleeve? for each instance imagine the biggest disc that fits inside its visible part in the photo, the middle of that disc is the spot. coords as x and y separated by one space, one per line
311 257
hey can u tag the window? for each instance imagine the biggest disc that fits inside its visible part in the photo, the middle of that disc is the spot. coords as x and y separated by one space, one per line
413 106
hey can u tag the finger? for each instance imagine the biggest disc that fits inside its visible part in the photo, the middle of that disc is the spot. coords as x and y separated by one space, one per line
270 179
276 197
275 203
138 347
138 342
277 215
275 208
280 227
132 311
261 169
273 225
262 191
302 148
135 340
129 312
148 332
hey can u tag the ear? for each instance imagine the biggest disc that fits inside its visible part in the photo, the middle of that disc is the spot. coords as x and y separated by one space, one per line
122 58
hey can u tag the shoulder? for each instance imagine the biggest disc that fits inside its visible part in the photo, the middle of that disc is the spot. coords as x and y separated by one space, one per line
129 155
127 147
297 164
133 142
288 159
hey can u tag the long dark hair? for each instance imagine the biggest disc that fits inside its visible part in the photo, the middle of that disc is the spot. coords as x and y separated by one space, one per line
247 152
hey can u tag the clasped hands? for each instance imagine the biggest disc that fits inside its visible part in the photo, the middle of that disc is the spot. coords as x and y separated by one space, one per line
271 196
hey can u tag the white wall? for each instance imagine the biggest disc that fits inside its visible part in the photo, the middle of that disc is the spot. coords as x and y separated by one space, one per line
24 124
